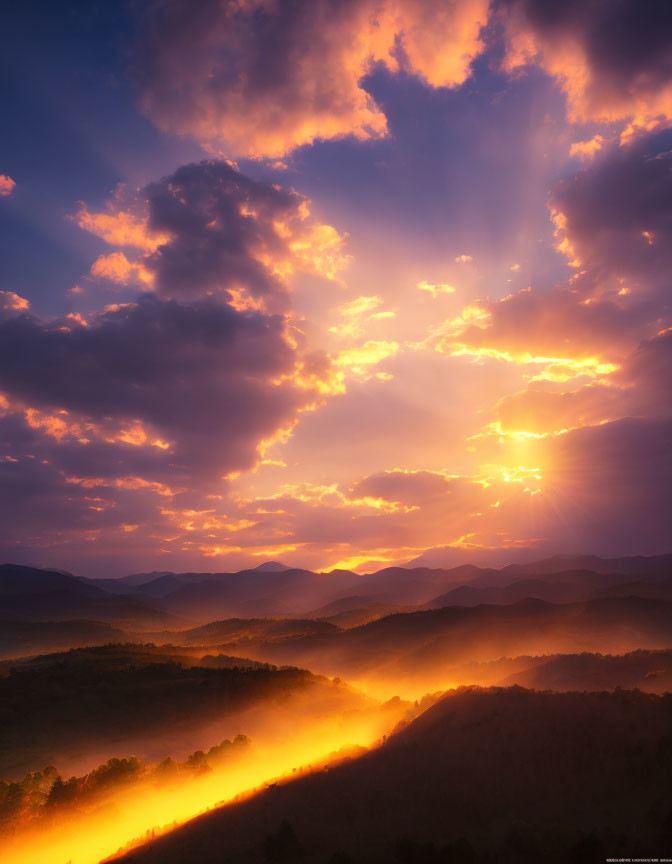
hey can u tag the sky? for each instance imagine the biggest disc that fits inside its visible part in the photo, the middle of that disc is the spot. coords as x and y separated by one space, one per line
343 283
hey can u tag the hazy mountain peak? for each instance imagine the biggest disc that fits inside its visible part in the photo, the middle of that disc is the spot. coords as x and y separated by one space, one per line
270 567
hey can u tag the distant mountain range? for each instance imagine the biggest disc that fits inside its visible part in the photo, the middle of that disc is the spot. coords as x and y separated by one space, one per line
29 594
273 589
36 605
426 651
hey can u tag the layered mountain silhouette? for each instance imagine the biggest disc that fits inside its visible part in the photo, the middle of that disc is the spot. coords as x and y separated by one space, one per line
37 605
272 589
29 593
427 650
572 769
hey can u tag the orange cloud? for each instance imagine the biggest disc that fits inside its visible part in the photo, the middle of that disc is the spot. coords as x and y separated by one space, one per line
354 311
368 354
120 228
552 335
61 425
57 425
117 268
314 58
131 483
77 318
11 301
608 75
215 230
435 289
587 149
6 185
538 412
319 249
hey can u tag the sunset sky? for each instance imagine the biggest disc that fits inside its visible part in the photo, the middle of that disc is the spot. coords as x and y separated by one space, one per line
334 282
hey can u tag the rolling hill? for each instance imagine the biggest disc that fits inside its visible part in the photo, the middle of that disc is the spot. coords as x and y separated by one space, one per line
83 706
499 775
427 650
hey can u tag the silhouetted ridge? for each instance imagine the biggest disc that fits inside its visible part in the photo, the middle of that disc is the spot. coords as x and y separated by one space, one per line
508 775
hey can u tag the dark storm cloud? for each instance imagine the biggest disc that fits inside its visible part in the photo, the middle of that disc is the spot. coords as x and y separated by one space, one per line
199 376
649 371
614 59
614 221
265 77
614 486
623 40
618 215
219 221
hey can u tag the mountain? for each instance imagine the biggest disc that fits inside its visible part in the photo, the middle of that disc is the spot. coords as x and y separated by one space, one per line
527 564
295 592
422 651
497 775
163 600
555 587
247 593
644 567
650 671
271 567
243 630
353 611
136 579
70 708
20 638
162 585
17 580
32 594
272 589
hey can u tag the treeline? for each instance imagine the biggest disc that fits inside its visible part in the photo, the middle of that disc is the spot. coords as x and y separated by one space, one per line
46 794
522 844
99 697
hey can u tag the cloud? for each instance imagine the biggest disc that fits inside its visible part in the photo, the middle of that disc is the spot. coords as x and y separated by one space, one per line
641 388
207 229
359 306
117 268
355 313
204 377
145 408
648 373
413 487
552 333
357 360
541 412
613 224
614 486
613 60
120 227
615 217
435 289
6 185
263 77
587 149
10 301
